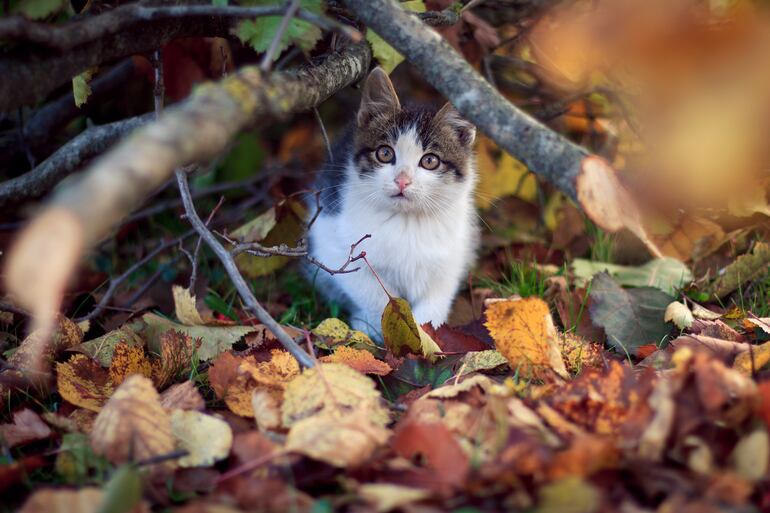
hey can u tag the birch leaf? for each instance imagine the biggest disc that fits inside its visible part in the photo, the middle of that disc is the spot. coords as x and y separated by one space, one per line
206 439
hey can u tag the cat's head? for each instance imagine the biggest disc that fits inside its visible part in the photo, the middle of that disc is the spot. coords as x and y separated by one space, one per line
411 160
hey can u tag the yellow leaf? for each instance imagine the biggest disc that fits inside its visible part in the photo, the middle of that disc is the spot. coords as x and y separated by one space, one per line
331 387
524 333
184 305
358 359
337 332
266 410
748 362
128 360
133 425
83 382
752 200
346 441
501 175
84 500
679 314
206 439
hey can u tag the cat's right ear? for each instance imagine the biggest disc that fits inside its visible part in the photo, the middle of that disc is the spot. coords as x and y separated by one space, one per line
379 98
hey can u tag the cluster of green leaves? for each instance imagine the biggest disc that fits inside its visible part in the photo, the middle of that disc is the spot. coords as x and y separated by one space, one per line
259 33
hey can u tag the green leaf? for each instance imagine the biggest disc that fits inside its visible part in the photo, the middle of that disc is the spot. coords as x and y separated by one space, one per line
385 54
259 33
214 339
122 492
76 460
569 495
38 9
401 332
81 88
219 3
630 317
666 274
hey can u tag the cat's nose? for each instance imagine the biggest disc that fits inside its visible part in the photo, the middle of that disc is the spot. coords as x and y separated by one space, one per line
403 181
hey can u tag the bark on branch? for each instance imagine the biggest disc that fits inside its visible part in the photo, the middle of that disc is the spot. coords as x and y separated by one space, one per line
49 248
587 179
64 51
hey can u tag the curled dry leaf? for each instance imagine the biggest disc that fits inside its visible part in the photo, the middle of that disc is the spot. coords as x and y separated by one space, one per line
182 396
133 425
679 314
331 387
184 305
343 441
101 348
83 382
525 334
27 427
401 332
206 439
177 350
31 362
751 361
359 359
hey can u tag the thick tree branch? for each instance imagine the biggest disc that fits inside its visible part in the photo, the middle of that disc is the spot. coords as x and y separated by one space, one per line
585 178
197 129
31 74
66 160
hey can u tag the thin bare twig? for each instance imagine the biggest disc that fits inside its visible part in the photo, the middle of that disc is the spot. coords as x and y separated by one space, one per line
324 134
292 6
247 296
196 252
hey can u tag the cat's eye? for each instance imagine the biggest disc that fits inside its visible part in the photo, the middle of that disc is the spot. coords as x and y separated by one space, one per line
385 154
430 161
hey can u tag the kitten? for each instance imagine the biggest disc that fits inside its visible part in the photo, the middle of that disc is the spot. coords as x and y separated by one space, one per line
407 178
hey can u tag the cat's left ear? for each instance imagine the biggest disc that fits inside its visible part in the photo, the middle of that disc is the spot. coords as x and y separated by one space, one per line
466 132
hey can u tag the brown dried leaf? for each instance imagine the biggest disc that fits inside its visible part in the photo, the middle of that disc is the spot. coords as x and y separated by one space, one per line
182 396
751 361
176 354
184 305
27 427
524 333
359 359
346 441
133 425
83 382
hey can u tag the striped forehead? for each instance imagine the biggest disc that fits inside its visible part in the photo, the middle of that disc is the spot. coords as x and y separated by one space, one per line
408 146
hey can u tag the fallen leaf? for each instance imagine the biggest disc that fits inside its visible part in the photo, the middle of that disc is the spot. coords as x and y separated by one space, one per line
690 238
27 427
700 312
569 495
762 323
385 497
123 492
481 360
214 339
223 373
359 359
83 382
524 333
751 455
443 455
630 317
128 360
679 314
177 352
206 439
335 331
331 387
182 396
101 348
579 354
266 409
501 175
184 305
343 441
753 360
748 267
402 334
132 426
666 274
85 500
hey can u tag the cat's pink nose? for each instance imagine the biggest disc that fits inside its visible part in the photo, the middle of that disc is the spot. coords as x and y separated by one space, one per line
403 181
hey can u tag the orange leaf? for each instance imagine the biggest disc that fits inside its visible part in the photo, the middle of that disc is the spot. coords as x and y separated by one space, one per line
83 382
128 360
524 333
359 359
